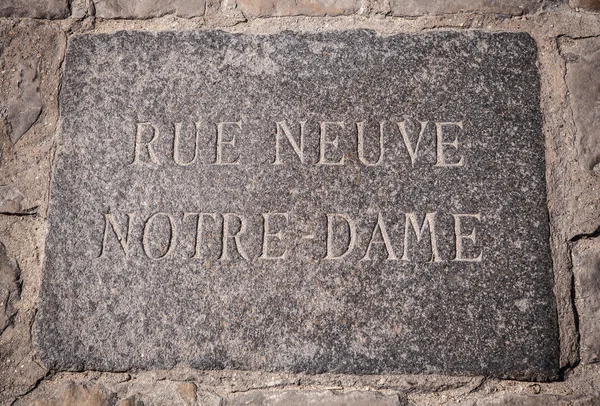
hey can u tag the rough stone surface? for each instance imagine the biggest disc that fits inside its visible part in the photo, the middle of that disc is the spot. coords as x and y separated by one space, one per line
10 200
104 391
522 400
583 81
517 399
26 106
148 8
274 8
422 7
70 395
586 270
10 288
156 295
593 5
31 54
330 398
81 9
26 166
34 9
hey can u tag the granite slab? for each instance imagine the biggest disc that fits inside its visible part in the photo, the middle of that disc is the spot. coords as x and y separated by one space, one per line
306 202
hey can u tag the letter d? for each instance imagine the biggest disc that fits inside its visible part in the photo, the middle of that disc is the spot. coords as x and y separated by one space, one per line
351 242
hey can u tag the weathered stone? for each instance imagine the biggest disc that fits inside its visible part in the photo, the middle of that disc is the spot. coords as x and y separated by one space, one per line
71 395
585 401
34 9
25 108
593 5
436 7
583 81
36 47
10 200
325 254
10 288
149 8
169 393
514 399
317 398
187 391
275 8
81 9
586 270
522 399
78 395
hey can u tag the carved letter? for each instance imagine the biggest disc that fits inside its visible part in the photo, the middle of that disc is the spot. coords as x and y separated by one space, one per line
109 219
199 230
351 243
221 142
267 234
140 144
361 144
428 222
172 236
176 142
298 149
324 142
386 240
460 237
441 159
236 237
412 152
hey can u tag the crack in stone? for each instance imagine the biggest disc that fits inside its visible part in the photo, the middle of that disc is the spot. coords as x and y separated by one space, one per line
32 211
586 236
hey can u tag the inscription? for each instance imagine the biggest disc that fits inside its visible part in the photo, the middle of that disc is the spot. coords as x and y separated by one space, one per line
230 229
293 135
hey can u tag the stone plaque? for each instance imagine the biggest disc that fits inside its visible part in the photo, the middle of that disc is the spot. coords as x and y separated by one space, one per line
333 202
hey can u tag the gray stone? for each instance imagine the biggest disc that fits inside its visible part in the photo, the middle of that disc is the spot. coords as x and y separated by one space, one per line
317 398
129 282
275 8
436 7
586 271
592 5
10 288
583 81
149 8
34 8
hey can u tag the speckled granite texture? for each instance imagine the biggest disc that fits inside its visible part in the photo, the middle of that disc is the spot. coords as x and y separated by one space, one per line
368 204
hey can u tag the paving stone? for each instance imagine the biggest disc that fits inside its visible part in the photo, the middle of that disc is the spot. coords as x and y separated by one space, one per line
593 5
316 398
142 9
586 401
429 254
67 395
586 270
514 399
34 9
10 288
274 8
25 108
583 81
436 7
30 55
10 200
